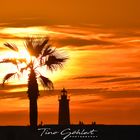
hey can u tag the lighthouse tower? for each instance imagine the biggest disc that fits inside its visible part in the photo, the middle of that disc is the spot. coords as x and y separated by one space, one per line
64 113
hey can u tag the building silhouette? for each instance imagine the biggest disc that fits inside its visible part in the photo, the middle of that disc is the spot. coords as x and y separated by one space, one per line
64 112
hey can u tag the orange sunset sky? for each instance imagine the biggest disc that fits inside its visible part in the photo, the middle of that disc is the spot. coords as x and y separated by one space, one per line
102 75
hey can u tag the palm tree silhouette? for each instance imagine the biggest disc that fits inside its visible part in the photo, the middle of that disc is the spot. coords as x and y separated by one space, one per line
41 54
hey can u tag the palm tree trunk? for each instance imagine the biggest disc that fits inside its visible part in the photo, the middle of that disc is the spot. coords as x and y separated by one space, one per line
33 94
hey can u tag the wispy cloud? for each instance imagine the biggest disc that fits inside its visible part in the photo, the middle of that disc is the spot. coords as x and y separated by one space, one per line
79 42
100 93
121 79
10 36
94 77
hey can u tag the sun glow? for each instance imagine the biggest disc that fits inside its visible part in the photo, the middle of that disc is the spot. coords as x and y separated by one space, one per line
23 31
28 31
21 54
24 54
17 35
9 68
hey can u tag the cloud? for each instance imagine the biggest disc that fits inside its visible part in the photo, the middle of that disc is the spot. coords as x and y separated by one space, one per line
2 49
121 94
125 34
10 91
105 93
88 101
20 91
92 77
10 36
9 87
91 95
71 41
121 79
100 96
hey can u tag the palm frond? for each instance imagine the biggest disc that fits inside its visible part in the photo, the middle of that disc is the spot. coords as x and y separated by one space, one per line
35 46
26 67
11 46
6 77
14 61
21 60
48 51
22 69
54 62
40 46
9 60
46 82
29 45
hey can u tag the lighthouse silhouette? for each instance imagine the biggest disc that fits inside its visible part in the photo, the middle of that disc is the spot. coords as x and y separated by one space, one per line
64 113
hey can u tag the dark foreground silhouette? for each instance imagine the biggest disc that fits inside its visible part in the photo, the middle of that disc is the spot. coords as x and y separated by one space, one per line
71 132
